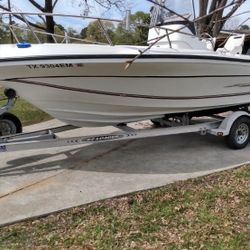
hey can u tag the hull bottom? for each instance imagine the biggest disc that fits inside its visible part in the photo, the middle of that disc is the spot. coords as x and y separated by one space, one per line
94 110
80 119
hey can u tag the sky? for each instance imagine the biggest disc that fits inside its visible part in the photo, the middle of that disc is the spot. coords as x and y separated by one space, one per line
72 7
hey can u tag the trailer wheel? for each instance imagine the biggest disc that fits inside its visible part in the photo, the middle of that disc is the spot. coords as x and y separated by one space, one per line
239 135
10 124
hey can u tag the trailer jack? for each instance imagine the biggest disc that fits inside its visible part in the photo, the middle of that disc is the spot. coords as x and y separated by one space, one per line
9 123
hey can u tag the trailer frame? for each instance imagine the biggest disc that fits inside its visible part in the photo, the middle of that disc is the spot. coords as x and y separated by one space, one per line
48 138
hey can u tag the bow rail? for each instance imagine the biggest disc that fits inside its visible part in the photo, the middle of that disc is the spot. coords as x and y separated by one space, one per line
66 38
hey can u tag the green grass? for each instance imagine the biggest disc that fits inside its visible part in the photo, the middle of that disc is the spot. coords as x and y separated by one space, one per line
27 113
211 213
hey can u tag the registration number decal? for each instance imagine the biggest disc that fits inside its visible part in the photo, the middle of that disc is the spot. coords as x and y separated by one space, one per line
53 66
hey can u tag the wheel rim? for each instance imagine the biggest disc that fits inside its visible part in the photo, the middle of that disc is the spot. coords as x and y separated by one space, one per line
7 127
242 133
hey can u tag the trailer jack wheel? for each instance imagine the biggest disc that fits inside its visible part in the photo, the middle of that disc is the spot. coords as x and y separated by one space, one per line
10 93
239 135
9 124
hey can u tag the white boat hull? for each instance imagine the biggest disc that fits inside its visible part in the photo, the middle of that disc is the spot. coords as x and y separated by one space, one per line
99 91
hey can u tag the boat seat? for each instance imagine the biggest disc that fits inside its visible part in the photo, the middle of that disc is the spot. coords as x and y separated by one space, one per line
234 45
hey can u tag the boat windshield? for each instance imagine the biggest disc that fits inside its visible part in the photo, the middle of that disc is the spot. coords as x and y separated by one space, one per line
183 7
161 15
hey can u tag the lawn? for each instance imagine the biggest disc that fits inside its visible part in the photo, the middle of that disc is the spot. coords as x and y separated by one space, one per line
211 212
27 113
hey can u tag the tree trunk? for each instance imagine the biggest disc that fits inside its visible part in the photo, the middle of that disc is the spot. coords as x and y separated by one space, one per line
218 25
214 23
202 24
50 24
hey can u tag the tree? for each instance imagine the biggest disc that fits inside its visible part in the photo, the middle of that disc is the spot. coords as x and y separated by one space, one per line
47 21
141 32
4 34
58 29
244 27
95 33
71 32
213 14
137 34
215 20
118 34
106 4
83 33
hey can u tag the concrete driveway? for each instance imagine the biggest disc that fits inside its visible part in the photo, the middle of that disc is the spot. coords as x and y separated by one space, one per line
34 183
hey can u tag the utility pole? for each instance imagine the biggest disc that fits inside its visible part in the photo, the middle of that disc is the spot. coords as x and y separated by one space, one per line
10 23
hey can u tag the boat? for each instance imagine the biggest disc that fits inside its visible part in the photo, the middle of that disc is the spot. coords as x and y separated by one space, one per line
90 85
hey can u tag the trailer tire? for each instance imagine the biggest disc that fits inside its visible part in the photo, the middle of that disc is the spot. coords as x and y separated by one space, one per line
10 124
239 134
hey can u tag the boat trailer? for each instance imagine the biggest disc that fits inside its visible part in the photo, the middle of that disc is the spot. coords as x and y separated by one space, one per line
235 127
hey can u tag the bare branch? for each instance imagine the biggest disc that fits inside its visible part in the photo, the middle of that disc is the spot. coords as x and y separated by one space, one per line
106 4
42 18
22 19
54 4
234 9
219 25
38 6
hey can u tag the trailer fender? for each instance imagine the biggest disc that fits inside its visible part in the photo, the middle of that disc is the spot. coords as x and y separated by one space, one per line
227 123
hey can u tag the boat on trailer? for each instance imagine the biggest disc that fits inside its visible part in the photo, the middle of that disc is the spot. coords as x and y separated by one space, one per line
87 85
178 75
